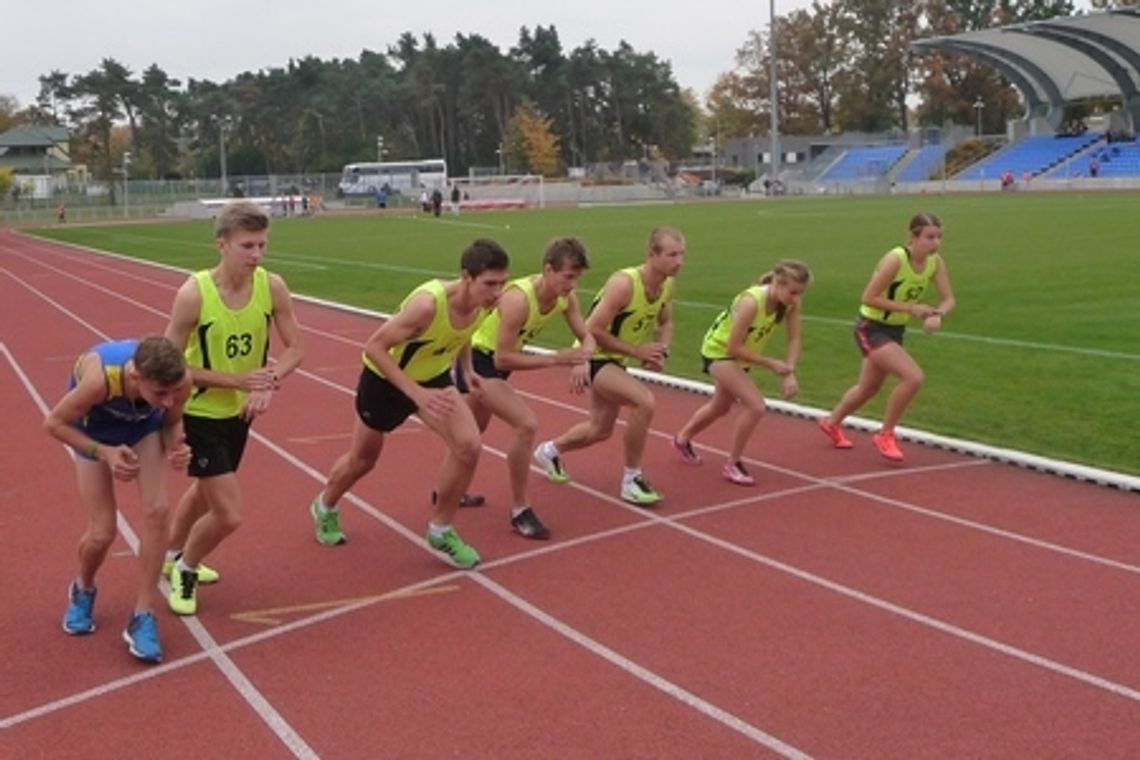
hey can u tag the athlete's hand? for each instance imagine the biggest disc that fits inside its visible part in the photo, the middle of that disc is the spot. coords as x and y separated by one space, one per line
264 379
790 386
256 403
122 461
932 323
179 454
922 310
571 356
783 369
437 403
580 377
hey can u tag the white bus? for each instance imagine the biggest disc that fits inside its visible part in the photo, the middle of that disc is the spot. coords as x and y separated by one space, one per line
399 176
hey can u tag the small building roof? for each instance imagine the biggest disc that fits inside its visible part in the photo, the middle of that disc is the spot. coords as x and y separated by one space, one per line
34 135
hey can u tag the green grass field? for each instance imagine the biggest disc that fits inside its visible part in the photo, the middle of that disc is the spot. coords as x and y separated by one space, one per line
1042 354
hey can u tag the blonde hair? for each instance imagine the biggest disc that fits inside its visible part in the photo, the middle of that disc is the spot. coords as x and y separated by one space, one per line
919 221
785 271
240 215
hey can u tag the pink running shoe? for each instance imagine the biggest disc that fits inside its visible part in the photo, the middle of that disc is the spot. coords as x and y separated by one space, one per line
835 433
885 442
686 450
734 472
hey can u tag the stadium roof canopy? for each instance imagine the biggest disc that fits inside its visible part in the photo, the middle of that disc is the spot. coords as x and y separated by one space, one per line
1060 60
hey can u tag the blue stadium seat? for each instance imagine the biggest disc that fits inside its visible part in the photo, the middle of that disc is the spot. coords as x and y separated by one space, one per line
866 163
1035 155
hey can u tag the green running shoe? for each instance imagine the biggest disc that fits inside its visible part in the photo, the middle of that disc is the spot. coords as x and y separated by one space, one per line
206 574
327 525
451 549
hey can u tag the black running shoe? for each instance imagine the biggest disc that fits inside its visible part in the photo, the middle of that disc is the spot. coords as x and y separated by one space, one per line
529 526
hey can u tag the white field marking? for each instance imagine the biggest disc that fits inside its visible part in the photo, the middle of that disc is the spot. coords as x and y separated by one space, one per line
453 222
660 683
839 484
985 339
989 340
652 519
831 585
264 710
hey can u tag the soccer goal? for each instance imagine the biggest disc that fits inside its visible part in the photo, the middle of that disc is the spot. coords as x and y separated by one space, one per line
495 191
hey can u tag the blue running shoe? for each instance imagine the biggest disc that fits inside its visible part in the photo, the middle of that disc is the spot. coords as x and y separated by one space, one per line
142 637
79 619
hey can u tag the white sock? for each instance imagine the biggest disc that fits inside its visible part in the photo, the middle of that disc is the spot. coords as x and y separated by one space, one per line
516 511
183 567
173 554
549 449
630 473
437 531
323 508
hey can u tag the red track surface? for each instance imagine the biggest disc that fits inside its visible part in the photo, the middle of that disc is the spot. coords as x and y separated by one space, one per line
843 608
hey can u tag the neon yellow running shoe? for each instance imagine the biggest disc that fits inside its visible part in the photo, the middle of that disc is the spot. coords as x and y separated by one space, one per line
206 574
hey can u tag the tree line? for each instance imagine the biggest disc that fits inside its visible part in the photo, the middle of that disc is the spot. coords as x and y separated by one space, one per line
843 65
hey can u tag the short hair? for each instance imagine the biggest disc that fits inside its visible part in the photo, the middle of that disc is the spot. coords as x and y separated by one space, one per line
919 221
658 235
157 359
240 215
566 252
484 254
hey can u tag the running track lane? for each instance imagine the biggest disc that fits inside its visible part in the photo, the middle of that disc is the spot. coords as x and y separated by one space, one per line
913 611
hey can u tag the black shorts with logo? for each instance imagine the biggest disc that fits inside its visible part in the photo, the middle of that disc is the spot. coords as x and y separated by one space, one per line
484 364
384 407
870 334
217 444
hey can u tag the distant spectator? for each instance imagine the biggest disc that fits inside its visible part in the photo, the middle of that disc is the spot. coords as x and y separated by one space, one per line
304 205
455 199
1094 168
425 201
382 197
1007 180
61 214
436 201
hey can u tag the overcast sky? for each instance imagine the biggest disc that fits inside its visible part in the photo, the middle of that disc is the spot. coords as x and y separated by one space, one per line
218 39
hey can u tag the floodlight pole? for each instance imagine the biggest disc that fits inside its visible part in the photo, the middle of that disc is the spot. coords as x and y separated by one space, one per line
379 147
979 104
222 154
126 183
774 127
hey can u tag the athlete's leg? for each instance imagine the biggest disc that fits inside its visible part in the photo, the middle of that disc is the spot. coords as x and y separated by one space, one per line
155 513
97 492
871 377
354 464
191 506
718 405
735 382
603 415
222 496
893 359
461 434
623 389
500 399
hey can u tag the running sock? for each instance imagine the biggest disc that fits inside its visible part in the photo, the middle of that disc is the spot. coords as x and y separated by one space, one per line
437 531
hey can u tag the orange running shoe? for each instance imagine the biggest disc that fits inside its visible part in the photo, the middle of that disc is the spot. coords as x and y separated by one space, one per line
835 433
885 442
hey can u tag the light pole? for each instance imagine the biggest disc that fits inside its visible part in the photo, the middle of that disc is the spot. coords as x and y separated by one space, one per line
222 125
126 183
499 153
379 147
979 104
712 152
774 125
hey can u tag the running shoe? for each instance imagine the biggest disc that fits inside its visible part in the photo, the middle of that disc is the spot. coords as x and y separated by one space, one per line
80 616
141 636
183 599
550 464
467 500
327 524
686 450
835 433
885 442
206 574
529 526
451 549
637 491
734 472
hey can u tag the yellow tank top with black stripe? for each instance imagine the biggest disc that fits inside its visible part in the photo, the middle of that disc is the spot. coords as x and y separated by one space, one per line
907 286
432 352
715 344
637 322
228 340
486 337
